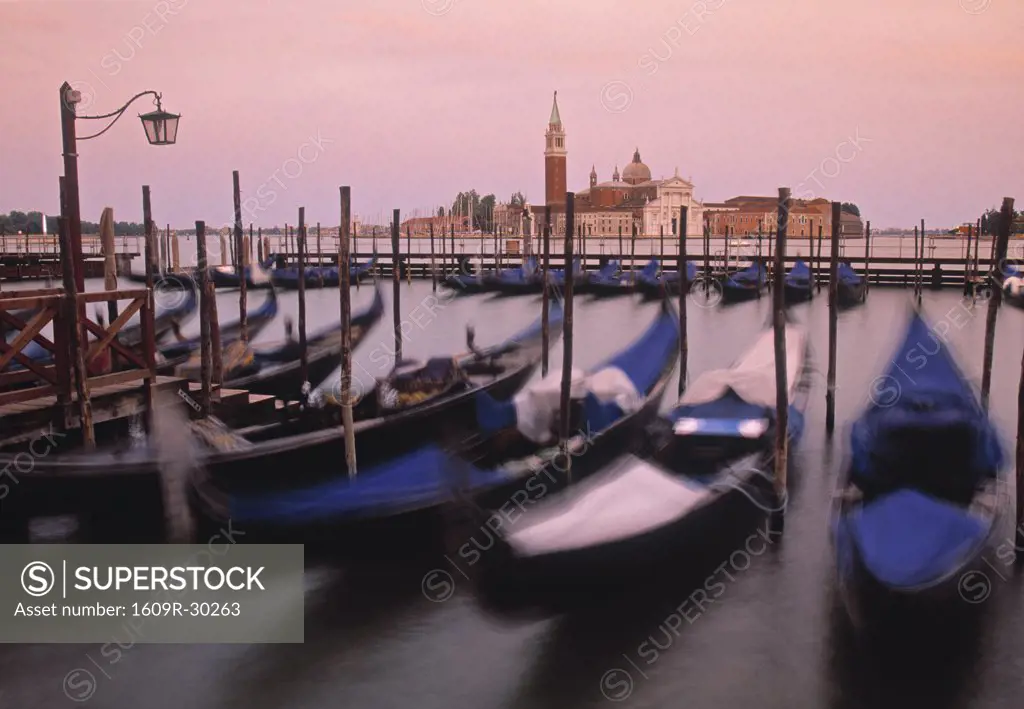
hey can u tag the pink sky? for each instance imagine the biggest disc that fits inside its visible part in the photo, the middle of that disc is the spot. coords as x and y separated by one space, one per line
414 100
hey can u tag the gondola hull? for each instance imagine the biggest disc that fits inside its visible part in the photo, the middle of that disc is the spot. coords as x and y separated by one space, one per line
797 293
644 519
228 483
919 507
851 294
678 554
609 288
956 599
740 293
282 378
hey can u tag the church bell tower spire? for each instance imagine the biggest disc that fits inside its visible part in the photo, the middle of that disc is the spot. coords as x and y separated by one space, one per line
554 158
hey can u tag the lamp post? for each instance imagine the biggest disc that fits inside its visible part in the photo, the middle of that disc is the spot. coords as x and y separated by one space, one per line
161 129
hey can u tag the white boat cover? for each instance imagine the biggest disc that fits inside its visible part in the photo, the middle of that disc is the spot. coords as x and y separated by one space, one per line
1014 285
631 497
753 376
537 405
259 275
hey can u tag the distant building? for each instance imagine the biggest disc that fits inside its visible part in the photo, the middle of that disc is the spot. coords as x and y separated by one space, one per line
420 226
745 214
508 219
629 200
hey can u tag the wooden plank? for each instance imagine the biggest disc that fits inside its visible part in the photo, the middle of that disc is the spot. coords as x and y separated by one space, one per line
117 378
9 379
8 296
103 296
22 395
115 327
37 323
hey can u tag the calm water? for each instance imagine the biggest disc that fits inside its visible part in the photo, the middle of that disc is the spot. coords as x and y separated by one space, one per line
373 640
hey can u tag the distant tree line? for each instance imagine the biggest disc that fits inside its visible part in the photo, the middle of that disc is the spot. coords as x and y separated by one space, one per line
992 219
32 223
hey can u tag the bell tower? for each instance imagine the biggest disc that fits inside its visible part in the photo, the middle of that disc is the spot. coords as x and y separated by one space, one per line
554 159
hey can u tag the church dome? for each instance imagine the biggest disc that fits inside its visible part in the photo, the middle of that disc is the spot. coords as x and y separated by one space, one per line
636 172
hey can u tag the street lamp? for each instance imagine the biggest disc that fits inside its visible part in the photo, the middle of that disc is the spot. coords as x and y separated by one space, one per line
161 129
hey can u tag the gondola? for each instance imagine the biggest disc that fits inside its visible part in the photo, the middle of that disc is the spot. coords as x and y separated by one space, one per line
175 354
397 453
919 504
1013 287
851 287
466 283
744 285
600 285
525 280
317 276
277 370
664 511
656 285
798 286
257 276
293 454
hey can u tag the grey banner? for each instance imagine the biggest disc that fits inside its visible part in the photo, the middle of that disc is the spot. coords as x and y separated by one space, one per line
156 593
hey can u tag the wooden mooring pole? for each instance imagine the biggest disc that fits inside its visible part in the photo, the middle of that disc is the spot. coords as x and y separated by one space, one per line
1020 465
833 305
150 256
771 261
920 267
243 318
632 257
995 285
205 355
545 330
781 379
74 333
821 234
396 291
684 289
564 409
300 243
408 254
867 257
967 260
661 250
346 331
109 259
433 266
707 255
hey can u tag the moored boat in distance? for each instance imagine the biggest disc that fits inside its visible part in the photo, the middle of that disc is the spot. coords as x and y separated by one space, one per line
656 285
918 505
798 284
744 285
851 287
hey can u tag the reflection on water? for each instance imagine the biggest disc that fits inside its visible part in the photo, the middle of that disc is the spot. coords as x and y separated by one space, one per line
771 639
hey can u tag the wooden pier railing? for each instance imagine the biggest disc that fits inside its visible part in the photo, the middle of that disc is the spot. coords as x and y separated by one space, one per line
106 360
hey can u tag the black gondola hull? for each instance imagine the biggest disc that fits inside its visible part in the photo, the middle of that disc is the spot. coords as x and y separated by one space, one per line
957 599
797 293
677 555
850 294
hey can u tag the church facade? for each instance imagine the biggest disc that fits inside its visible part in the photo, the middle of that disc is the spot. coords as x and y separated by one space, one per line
628 200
